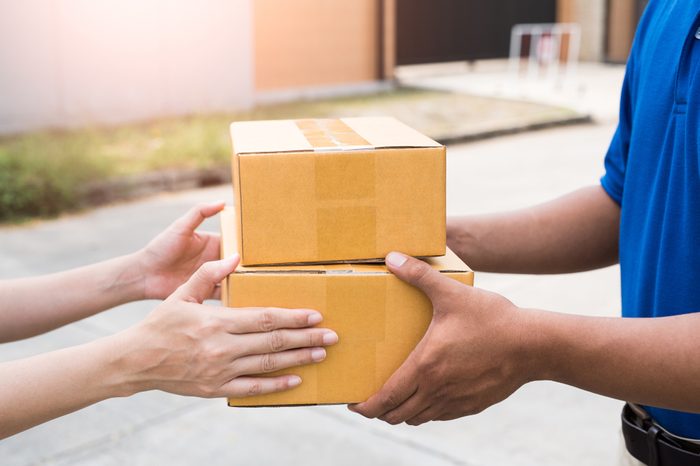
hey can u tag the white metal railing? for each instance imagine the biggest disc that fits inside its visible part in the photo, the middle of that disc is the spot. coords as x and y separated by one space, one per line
552 52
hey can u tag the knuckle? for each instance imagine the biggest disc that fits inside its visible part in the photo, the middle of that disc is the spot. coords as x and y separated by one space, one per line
196 211
277 340
206 391
268 363
254 389
419 272
212 324
214 353
304 357
301 320
205 270
392 419
281 385
315 339
388 399
266 322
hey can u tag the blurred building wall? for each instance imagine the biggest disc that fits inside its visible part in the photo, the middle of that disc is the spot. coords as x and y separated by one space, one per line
590 15
305 43
623 16
81 62
607 26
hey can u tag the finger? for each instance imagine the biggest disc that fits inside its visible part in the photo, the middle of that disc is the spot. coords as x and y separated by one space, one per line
419 274
250 386
400 386
283 340
427 415
202 283
197 214
410 408
267 319
270 362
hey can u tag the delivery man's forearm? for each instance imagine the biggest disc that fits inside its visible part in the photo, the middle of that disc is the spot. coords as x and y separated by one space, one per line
576 232
646 361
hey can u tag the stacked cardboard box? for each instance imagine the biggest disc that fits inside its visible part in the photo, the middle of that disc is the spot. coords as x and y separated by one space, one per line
319 203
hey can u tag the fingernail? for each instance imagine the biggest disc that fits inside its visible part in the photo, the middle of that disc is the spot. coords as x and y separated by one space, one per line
233 257
352 408
293 381
219 202
318 354
396 259
315 318
330 338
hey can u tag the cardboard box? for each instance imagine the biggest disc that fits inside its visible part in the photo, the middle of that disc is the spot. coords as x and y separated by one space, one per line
378 318
349 189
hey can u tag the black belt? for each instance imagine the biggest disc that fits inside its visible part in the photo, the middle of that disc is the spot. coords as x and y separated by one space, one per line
651 445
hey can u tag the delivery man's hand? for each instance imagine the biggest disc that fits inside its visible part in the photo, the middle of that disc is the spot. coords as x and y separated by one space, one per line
188 348
470 358
175 254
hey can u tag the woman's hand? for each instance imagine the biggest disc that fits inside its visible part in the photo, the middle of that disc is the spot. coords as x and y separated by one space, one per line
188 348
173 256
182 347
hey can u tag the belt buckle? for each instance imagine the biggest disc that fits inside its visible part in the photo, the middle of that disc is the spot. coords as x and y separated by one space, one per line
654 431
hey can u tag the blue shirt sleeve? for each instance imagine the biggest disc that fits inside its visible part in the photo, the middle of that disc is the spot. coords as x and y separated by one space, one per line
613 181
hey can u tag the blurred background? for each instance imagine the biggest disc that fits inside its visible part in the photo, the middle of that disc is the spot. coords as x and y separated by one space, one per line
114 117
96 91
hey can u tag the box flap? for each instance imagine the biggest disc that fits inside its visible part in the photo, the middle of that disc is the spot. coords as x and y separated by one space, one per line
324 135
268 136
447 263
389 132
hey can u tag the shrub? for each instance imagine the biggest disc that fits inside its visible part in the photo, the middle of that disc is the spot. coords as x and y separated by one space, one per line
43 174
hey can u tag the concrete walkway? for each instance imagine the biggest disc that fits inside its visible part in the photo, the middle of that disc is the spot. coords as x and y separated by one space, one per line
591 89
542 424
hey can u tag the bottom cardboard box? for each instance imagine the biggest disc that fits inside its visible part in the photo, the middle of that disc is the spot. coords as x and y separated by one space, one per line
379 319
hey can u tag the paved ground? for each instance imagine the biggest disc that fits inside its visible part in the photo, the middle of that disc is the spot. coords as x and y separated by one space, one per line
542 424
590 89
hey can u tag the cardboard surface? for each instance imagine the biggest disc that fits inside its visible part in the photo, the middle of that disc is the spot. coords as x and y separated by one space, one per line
336 190
378 318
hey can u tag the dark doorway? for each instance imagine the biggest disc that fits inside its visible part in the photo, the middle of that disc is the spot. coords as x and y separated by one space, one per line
455 30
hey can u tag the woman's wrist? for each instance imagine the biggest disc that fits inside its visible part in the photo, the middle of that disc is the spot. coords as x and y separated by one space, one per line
123 364
132 276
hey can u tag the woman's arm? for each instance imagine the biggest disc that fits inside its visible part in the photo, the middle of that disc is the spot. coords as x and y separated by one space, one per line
182 347
31 306
576 232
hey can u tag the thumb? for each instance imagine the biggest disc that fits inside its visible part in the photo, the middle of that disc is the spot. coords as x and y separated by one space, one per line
419 274
201 284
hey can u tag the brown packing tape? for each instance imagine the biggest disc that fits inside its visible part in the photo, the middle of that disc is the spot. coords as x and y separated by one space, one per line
344 196
330 133
356 350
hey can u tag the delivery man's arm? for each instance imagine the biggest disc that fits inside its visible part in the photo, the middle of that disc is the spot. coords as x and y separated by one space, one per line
182 347
576 232
30 306
480 347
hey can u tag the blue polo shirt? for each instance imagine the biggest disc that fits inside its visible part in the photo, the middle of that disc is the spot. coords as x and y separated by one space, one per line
652 170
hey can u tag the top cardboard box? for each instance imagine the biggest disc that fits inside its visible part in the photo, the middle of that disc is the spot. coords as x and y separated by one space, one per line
336 190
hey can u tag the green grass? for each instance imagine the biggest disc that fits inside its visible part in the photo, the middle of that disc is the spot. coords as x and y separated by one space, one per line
46 173
40 174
